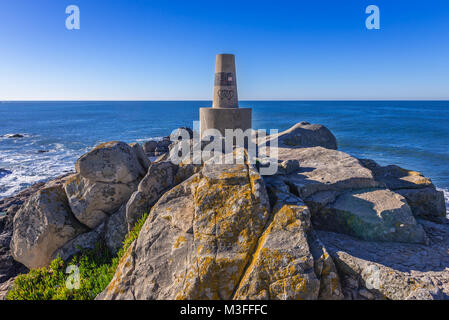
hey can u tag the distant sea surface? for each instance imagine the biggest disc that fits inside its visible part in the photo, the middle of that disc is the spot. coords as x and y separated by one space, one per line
411 134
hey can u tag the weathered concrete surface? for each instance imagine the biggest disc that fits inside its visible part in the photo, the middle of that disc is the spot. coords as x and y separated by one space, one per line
225 86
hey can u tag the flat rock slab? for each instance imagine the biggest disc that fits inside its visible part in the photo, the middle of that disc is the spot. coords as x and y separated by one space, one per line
393 270
322 169
371 214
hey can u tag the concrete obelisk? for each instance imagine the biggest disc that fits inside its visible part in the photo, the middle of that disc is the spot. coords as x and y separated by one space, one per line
225 112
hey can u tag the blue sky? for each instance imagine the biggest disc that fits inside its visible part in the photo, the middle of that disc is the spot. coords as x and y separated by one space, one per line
151 50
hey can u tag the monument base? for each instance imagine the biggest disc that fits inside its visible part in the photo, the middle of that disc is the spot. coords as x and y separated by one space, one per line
225 118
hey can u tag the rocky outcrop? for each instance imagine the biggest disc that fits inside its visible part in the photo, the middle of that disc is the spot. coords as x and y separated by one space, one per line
306 135
423 198
41 226
345 196
392 270
141 156
106 177
373 215
159 178
111 162
197 240
154 148
326 226
325 170
214 237
10 268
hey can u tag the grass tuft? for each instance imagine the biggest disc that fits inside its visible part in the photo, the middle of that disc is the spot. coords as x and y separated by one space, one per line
96 269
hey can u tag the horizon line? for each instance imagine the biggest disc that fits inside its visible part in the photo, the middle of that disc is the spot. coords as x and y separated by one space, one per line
171 100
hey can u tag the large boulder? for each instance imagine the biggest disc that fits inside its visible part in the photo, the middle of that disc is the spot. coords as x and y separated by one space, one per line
106 178
92 202
344 196
423 198
282 267
159 178
43 224
305 135
198 239
111 232
141 156
110 162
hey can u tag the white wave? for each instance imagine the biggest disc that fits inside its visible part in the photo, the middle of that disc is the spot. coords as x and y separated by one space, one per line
29 167
142 140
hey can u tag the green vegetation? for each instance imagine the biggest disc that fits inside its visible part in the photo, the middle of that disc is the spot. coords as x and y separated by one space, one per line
96 269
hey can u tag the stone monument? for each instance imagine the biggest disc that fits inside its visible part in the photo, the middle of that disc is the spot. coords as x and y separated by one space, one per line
225 112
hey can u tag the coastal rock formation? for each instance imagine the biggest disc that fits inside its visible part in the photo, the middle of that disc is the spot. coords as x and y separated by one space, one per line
326 226
106 177
215 237
325 170
159 178
41 226
198 239
111 162
392 270
423 198
92 201
371 214
141 156
344 196
10 268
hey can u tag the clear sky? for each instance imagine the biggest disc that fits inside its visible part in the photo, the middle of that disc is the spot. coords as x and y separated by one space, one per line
151 50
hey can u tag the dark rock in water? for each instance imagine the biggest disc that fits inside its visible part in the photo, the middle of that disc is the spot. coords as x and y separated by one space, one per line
4 172
42 151
164 144
17 135
149 146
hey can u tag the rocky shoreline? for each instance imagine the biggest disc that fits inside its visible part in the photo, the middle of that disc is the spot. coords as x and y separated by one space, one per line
326 226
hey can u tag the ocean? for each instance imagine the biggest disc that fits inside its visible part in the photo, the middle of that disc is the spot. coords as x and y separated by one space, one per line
411 134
